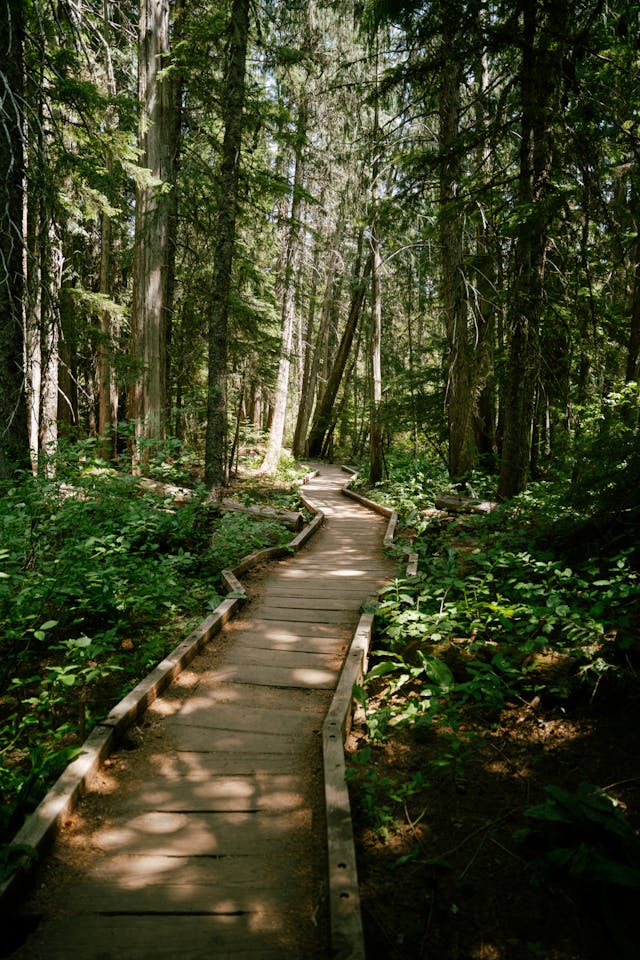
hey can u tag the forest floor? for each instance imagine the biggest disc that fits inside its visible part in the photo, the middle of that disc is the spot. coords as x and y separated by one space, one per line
439 816
446 878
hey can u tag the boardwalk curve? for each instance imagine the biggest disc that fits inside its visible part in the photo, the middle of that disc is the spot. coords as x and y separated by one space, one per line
205 835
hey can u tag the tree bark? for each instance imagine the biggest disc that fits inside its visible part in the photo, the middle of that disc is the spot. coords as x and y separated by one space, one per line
633 349
323 414
544 30
14 449
215 453
459 392
312 393
151 269
107 385
376 458
276 433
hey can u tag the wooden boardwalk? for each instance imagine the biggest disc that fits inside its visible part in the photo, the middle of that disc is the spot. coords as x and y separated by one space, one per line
204 837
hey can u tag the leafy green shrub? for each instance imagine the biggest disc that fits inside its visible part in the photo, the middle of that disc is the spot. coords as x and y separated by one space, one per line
583 838
94 576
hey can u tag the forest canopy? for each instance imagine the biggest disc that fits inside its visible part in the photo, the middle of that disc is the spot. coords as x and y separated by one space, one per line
335 226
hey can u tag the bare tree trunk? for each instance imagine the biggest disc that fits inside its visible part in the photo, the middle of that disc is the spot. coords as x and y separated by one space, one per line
50 341
306 392
14 450
215 458
376 457
454 296
149 318
324 410
328 301
276 433
107 385
633 350
544 24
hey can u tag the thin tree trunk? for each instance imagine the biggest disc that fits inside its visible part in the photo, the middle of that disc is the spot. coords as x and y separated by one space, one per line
460 398
276 434
319 351
50 340
233 107
376 459
484 299
306 393
14 450
324 409
544 25
105 373
633 349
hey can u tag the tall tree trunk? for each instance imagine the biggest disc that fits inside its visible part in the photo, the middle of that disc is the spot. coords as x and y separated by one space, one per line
485 279
633 350
311 392
544 31
233 106
53 262
276 433
376 457
323 413
43 274
105 373
14 450
460 399
151 269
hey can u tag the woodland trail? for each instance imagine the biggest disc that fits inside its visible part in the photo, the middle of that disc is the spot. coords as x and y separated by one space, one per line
205 835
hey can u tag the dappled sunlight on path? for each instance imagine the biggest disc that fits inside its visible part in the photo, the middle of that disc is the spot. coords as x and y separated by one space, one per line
205 836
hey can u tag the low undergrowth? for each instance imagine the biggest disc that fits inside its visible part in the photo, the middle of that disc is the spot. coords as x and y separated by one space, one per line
502 676
99 580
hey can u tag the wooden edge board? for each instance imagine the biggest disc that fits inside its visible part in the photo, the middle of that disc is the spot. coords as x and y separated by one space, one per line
40 828
347 936
412 565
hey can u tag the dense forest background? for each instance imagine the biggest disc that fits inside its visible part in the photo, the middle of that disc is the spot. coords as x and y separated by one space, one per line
341 225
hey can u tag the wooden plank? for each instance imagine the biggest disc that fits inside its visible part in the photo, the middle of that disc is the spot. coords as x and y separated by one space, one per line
194 737
308 599
251 895
201 834
300 677
291 630
225 937
261 640
204 711
287 659
281 612
234 763
222 794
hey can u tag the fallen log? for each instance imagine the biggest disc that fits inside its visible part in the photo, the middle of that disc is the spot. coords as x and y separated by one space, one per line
292 520
178 494
454 504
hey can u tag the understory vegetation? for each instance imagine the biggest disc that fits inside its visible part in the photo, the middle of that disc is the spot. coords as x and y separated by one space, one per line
101 577
494 773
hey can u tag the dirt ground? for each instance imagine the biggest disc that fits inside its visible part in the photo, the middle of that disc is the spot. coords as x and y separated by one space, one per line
465 891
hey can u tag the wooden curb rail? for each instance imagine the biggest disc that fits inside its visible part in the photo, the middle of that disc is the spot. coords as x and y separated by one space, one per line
40 828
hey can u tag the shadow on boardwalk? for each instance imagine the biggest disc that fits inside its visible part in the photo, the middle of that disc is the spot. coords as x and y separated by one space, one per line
204 836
